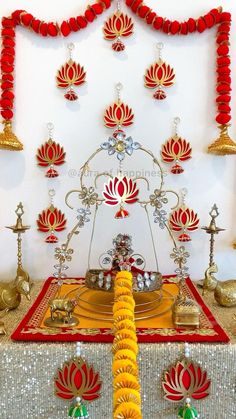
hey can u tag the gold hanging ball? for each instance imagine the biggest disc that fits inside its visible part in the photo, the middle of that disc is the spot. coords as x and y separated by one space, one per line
8 140
223 144
234 245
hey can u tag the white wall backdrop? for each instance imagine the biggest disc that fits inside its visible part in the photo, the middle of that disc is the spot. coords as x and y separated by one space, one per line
79 127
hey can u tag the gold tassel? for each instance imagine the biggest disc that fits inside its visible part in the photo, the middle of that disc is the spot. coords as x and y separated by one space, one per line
223 144
8 140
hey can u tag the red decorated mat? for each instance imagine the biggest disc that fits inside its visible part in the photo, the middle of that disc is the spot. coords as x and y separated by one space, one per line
154 316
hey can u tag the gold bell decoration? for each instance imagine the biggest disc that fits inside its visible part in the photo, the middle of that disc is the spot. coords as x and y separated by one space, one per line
8 140
223 145
11 292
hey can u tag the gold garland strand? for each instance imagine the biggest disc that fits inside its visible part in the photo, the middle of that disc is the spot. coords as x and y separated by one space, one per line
126 387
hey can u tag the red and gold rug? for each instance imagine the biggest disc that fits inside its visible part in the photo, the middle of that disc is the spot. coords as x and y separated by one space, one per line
94 310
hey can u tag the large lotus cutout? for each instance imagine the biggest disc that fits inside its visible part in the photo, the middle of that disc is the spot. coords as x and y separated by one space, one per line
77 379
118 191
185 379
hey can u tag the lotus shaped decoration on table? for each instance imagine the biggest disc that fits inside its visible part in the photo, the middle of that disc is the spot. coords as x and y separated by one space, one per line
184 381
77 381
184 219
176 149
117 26
157 75
70 74
118 114
51 220
118 191
50 154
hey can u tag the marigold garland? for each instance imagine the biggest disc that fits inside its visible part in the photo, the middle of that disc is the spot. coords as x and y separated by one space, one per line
126 396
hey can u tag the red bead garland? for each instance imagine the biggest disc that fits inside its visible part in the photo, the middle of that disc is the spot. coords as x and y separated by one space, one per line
223 87
7 68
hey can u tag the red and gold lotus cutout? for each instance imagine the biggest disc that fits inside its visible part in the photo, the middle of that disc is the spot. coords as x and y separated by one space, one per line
118 191
77 380
184 219
117 26
51 220
159 74
184 380
50 154
70 74
176 149
118 114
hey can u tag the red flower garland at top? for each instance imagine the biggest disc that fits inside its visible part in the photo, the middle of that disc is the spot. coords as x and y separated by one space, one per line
74 24
214 17
50 29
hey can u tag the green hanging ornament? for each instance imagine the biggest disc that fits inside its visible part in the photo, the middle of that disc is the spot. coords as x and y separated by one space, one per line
184 381
78 410
187 411
78 382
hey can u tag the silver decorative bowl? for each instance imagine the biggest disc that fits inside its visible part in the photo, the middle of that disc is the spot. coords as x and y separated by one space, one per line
99 279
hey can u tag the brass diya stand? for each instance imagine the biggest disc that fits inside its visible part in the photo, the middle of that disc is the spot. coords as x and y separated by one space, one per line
19 229
212 229
10 292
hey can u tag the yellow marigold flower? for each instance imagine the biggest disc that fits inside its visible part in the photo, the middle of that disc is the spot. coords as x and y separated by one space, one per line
127 299
125 354
125 344
125 324
125 275
126 380
126 394
127 410
123 283
124 365
122 291
120 363
122 304
123 313
126 333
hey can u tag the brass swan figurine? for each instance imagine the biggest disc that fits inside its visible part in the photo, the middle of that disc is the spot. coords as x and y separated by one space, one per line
224 291
10 293
10 296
